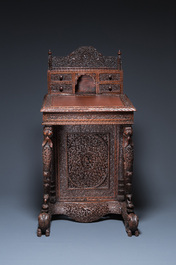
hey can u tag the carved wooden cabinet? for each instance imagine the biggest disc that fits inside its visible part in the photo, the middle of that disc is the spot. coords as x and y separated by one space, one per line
87 146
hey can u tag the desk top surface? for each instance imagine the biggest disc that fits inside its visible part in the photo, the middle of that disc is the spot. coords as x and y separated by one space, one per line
88 103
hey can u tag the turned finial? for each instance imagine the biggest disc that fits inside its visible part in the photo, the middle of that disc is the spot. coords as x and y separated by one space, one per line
119 61
49 59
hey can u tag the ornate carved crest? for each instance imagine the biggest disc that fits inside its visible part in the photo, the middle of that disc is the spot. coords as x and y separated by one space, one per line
86 56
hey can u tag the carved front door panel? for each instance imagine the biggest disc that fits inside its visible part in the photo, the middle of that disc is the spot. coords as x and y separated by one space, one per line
87 162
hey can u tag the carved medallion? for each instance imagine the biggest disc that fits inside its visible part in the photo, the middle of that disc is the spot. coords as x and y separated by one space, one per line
87 159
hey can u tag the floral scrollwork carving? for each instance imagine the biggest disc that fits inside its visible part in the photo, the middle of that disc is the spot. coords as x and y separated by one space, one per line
85 212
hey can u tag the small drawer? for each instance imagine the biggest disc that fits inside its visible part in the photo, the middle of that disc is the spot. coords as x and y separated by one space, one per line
61 88
109 76
107 88
61 77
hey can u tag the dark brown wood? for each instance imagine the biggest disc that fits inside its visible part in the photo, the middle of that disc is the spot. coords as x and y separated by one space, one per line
87 146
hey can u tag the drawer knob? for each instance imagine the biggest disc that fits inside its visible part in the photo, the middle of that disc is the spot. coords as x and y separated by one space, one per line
110 88
61 77
61 89
110 77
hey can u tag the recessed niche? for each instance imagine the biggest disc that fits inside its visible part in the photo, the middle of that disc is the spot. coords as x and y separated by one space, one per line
85 84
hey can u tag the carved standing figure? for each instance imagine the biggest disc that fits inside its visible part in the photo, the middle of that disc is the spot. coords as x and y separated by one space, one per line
47 150
131 219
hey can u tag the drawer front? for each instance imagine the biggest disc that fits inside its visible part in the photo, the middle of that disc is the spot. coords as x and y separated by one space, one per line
107 88
61 88
61 77
109 76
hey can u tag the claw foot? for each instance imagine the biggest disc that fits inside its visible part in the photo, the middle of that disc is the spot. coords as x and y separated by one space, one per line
43 224
131 223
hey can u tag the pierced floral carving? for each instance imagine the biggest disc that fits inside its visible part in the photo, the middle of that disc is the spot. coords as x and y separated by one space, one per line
85 56
87 160
86 212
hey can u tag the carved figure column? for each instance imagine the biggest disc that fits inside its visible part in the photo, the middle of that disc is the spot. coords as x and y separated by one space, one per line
47 154
131 220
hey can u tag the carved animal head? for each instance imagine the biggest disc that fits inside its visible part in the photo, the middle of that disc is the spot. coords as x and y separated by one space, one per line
128 131
48 131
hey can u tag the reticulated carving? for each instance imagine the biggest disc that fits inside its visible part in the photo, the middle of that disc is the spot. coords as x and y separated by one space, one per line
88 160
85 212
128 165
68 191
85 56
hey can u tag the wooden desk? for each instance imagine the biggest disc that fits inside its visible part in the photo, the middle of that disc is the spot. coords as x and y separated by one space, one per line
87 147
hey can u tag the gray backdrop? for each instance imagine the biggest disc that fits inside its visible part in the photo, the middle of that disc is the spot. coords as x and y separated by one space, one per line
145 33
